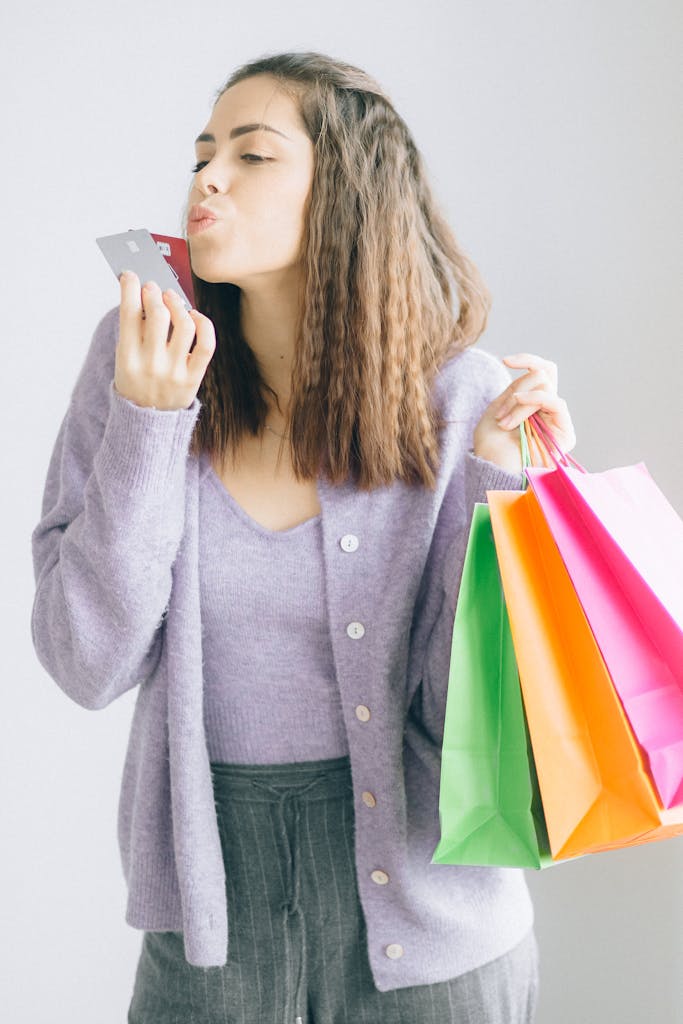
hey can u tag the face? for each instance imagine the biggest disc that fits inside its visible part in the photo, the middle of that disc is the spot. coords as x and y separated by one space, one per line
255 183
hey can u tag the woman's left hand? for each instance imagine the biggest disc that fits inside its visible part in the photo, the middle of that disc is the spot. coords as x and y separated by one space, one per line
496 437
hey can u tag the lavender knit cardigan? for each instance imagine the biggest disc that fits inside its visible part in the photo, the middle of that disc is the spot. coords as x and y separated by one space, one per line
116 608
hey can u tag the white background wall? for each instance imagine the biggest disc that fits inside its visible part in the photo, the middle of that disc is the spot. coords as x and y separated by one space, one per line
550 129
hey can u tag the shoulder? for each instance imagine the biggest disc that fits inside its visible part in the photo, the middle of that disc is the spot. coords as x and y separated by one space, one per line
470 379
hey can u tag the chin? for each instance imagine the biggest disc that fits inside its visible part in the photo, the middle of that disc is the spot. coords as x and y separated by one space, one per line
217 279
203 270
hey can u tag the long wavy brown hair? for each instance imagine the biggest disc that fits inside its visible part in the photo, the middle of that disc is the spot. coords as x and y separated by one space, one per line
380 269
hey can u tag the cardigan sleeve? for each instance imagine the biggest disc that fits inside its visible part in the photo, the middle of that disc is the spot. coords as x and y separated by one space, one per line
429 705
482 379
111 522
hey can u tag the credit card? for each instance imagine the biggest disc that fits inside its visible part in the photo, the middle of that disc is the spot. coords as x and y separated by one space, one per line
160 258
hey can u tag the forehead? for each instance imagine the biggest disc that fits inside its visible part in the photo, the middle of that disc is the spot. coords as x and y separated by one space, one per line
254 101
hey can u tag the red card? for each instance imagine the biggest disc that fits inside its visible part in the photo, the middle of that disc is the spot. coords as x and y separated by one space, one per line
174 251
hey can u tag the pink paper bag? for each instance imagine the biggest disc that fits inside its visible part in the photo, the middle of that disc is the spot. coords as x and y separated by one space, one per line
622 544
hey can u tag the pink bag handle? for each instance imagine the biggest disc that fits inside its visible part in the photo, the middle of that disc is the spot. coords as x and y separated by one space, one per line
545 437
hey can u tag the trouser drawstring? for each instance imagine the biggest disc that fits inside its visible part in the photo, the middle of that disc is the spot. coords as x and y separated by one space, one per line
291 905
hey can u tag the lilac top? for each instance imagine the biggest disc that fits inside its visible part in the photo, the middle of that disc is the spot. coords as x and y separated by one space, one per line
270 687
117 607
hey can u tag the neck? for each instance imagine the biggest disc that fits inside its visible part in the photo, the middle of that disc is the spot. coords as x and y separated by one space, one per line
268 320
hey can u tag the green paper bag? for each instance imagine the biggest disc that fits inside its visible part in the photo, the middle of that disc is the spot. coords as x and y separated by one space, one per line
489 802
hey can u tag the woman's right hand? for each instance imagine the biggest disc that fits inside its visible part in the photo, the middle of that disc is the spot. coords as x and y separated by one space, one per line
154 366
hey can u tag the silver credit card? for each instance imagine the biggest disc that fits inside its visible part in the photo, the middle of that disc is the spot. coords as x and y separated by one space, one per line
136 250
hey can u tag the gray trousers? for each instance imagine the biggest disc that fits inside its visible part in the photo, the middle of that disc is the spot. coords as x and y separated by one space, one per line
297 944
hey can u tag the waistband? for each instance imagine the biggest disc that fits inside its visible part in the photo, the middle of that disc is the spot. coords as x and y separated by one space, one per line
316 780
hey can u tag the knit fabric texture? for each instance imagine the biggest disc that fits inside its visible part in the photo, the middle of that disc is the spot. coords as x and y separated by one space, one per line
270 683
117 607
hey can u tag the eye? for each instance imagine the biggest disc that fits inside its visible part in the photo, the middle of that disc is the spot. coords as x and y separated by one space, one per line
249 157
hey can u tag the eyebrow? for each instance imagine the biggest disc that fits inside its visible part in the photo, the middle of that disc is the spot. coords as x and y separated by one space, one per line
243 129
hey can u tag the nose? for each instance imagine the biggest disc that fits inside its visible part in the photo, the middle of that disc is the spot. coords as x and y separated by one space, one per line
206 188
210 179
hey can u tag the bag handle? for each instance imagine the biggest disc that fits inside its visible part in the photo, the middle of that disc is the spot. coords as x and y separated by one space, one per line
533 451
534 433
529 457
526 455
540 456
545 439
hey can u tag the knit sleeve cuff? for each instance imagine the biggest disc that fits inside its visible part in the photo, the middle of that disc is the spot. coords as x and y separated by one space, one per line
143 447
482 476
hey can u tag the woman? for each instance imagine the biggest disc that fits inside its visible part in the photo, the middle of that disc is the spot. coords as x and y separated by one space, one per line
278 575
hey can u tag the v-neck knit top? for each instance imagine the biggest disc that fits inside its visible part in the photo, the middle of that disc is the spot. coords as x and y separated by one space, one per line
270 687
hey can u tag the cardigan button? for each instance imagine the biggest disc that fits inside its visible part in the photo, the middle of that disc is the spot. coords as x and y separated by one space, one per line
349 542
362 713
355 630
368 798
394 950
380 877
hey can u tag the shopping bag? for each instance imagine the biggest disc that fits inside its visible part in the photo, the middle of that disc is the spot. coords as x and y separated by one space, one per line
622 545
489 804
595 791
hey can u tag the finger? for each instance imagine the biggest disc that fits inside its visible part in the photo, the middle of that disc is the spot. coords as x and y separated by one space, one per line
157 315
534 380
505 398
130 308
545 403
531 361
183 328
198 359
546 399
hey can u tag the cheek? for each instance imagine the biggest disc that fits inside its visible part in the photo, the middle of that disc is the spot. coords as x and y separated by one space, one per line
275 220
